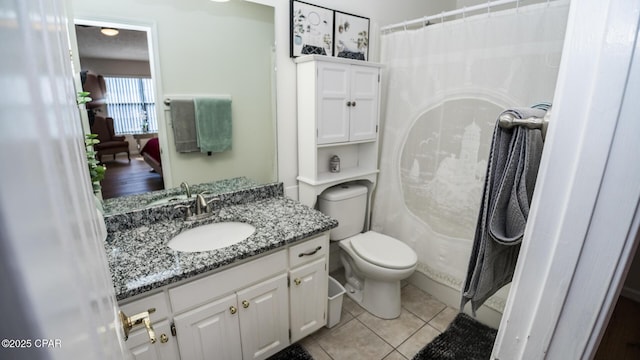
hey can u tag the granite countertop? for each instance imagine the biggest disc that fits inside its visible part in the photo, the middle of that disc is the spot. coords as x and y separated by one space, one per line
124 204
140 260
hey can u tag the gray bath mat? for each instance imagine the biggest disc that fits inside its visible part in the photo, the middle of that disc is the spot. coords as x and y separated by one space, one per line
464 339
293 352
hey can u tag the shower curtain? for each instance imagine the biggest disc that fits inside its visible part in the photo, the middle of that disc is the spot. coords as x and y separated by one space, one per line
445 85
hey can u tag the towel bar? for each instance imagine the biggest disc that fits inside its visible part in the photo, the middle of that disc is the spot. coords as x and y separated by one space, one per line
508 121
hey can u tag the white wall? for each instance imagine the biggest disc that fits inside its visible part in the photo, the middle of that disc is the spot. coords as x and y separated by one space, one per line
208 48
112 67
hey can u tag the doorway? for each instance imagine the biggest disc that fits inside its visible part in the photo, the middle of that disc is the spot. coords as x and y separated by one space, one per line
119 56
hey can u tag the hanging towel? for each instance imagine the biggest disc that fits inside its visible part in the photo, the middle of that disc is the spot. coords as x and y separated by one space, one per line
213 123
510 179
184 125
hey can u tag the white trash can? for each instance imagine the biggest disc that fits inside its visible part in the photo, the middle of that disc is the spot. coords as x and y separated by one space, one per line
336 291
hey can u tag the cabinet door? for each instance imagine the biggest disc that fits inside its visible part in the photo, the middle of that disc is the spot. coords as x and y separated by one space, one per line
308 295
264 318
332 97
363 124
210 332
142 349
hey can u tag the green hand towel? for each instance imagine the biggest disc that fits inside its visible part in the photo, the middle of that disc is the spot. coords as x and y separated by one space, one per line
213 123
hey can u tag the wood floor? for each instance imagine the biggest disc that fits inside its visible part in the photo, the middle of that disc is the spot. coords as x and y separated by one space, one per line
621 340
127 178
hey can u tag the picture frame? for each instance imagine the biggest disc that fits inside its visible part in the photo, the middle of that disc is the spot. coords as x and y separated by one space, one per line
311 29
351 36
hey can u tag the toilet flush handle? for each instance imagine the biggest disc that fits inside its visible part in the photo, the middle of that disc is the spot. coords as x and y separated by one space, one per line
309 253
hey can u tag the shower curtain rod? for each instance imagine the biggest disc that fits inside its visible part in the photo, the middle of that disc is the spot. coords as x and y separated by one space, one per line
442 15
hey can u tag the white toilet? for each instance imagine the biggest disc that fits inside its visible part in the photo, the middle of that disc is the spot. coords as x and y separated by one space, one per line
374 263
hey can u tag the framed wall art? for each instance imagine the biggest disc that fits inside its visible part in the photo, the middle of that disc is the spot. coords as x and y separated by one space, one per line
311 29
351 36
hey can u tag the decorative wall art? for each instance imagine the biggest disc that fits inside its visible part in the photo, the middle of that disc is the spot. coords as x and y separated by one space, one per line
311 29
351 36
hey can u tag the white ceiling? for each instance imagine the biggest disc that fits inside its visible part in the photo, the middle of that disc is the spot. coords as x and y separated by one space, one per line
127 45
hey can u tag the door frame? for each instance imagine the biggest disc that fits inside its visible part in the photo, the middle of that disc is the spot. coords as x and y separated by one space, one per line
584 218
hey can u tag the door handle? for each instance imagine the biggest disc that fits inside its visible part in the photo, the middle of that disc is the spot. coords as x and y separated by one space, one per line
129 322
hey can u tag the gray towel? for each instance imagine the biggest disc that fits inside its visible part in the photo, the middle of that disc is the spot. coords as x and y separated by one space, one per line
184 125
511 176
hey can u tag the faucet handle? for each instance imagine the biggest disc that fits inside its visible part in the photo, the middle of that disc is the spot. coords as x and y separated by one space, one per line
187 213
208 207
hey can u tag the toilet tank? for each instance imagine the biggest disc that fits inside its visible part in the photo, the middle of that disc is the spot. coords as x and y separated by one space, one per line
348 205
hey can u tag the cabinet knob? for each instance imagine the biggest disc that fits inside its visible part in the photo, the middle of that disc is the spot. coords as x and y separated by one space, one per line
164 338
245 304
353 103
297 281
233 310
348 103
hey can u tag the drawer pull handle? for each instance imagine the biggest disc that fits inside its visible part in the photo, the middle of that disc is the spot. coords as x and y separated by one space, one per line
245 304
309 253
233 310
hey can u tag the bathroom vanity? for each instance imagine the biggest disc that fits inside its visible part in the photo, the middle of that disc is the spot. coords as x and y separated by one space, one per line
244 301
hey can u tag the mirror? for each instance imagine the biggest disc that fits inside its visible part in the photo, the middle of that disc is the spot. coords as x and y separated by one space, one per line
203 48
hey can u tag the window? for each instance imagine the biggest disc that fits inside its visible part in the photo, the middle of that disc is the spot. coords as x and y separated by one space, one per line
131 102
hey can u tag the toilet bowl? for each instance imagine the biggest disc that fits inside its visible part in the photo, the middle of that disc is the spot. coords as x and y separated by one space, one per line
374 266
374 263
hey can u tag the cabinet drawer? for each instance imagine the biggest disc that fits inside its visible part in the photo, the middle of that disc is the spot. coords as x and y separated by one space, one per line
309 250
204 290
157 301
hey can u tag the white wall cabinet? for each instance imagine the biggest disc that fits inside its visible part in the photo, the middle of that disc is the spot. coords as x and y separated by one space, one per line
248 311
347 102
338 114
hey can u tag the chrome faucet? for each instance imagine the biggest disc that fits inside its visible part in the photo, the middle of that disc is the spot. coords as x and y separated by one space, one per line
202 207
186 189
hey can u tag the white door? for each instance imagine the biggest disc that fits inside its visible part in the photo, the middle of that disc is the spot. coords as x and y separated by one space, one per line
308 298
211 331
332 97
54 277
264 320
363 121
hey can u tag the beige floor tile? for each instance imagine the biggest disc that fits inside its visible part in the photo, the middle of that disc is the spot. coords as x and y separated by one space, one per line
394 331
417 341
444 318
314 349
354 341
345 317
394 356
420 303
351 306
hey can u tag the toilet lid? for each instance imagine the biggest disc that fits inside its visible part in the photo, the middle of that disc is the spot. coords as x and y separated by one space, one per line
383 250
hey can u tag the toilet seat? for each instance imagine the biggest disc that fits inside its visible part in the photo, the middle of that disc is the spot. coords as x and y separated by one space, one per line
383 250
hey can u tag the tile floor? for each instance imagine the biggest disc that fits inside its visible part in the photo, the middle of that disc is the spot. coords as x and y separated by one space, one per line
360 335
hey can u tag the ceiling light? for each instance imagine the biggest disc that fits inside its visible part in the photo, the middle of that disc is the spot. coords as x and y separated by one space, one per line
109 31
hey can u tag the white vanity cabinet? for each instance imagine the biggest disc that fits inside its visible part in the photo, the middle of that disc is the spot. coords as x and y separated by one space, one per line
248 311
338 103
165 347
250 321
309 283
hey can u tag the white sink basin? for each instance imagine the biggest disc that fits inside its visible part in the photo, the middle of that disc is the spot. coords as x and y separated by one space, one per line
211 237
167 200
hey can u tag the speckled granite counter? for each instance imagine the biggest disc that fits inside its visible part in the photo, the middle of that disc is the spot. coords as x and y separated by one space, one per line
124 204
140 260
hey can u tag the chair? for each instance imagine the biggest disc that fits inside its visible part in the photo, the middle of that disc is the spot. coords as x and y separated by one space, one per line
109 142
